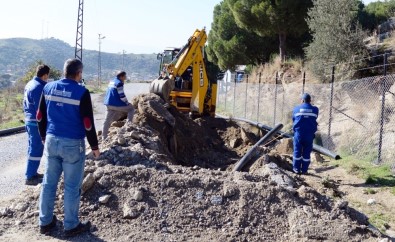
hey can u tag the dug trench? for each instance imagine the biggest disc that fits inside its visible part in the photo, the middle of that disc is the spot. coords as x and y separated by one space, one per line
166 177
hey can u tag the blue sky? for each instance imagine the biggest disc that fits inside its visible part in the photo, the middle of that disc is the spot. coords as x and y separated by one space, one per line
136 26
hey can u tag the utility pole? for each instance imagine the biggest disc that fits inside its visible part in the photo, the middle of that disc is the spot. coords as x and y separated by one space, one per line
42 29
99 61
47 29
123 59
80 24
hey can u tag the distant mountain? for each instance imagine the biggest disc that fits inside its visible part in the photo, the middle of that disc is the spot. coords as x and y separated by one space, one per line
17 54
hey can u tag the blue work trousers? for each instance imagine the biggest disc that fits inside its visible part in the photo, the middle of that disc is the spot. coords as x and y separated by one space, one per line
35 150
303 145
67 156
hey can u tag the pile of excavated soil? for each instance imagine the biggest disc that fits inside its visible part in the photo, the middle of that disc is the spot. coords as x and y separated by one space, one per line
161 135
168 178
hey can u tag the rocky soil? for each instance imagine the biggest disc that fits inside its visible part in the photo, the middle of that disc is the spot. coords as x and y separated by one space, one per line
166 177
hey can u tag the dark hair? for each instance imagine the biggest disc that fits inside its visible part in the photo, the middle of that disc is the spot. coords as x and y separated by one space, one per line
41 70
72 67
306 97
121 74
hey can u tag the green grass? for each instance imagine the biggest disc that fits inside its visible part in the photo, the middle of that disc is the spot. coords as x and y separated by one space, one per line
11 124
19 97
95 88
370 191
380 175
379 220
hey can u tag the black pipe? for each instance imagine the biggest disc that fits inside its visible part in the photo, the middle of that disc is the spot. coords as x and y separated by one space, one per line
324 151
316 148
12 130
243 161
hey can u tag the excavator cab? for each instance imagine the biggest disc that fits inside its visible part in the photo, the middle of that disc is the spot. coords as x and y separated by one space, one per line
166 57
183 80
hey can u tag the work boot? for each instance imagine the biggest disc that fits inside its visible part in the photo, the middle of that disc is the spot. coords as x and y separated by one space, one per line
296 171
40 175
81 227
47 228
34 180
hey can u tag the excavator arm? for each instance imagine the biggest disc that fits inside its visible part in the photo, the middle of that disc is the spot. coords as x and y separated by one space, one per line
200 98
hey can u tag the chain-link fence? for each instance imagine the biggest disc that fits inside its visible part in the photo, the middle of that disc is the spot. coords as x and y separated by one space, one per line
354 117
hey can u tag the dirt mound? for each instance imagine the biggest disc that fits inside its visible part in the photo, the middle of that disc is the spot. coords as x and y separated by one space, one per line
152 184
173 137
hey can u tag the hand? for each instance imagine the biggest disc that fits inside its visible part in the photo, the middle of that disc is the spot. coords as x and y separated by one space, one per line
96 153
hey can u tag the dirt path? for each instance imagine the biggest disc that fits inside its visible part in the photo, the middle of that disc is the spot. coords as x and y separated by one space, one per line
357 193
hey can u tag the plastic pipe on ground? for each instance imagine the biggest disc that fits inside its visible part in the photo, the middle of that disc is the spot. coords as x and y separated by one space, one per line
243 161
316 148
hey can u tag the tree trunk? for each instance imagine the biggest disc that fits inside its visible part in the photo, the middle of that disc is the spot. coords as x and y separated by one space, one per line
282 38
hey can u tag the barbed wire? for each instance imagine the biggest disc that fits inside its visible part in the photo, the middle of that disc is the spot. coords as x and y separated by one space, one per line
362 69
349 62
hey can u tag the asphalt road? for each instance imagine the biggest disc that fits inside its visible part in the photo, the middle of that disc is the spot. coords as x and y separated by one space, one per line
13 148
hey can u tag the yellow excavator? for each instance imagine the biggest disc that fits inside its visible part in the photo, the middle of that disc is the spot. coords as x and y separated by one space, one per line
183 81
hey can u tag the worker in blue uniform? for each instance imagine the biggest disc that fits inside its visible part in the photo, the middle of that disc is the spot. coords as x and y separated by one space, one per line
65 118
31 100
116 102
304 126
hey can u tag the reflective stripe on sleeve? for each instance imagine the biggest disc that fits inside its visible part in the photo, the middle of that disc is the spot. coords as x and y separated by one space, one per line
34 158
30 120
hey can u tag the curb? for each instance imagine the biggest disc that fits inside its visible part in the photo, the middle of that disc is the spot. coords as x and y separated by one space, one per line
11 131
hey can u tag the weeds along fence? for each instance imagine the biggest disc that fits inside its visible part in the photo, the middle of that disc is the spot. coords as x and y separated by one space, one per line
357 117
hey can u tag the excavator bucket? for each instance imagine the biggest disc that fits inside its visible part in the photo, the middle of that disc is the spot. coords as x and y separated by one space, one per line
162 88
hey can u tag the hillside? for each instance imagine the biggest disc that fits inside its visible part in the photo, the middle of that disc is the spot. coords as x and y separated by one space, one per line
17 54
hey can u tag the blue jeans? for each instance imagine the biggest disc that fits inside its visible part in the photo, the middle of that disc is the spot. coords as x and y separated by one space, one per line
303 145
67 156
35 150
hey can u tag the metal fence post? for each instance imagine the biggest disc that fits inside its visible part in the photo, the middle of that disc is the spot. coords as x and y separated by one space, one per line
275 101
245 103
226 89
330 103
234 97
383 87
259 96
304 81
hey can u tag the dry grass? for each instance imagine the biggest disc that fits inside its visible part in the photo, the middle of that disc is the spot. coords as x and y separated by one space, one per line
295 64
390 42
11 109
267 71
291 69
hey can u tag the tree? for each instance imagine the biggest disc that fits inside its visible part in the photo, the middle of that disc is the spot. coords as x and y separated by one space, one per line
375 13
31 72
272 17
230 45
337 36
